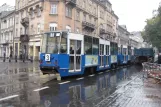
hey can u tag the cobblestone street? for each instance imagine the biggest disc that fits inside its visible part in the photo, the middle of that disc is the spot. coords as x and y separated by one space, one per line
139 92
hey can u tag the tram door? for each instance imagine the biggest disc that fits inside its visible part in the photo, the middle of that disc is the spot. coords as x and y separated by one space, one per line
75 55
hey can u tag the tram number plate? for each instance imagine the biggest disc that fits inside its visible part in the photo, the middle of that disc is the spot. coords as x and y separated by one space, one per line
47 57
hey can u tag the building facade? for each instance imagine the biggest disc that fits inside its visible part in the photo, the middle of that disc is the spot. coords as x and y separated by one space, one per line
6 33
136 36
33 18
123 36
6 7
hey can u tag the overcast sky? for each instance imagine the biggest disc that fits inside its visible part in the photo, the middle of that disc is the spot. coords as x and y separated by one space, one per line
133 13
9 2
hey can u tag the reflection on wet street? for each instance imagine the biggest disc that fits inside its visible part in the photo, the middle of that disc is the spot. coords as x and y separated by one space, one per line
124 87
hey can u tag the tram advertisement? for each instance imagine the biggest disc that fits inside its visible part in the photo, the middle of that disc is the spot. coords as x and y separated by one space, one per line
91 60
113 59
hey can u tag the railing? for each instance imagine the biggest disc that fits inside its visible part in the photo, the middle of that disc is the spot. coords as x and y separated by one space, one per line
71 2
84 23
152 70
25 22
102 31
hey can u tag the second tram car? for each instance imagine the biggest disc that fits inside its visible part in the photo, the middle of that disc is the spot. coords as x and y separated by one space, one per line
72 54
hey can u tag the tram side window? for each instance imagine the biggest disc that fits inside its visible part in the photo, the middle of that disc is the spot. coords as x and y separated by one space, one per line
119 50
107 49
115 49
101 49
43 44
124 51
88 45
95 46
63 45
112 49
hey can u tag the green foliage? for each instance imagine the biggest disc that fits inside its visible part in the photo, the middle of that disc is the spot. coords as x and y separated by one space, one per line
152 30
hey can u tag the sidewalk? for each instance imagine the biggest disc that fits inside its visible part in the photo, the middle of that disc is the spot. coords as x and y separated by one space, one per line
139 92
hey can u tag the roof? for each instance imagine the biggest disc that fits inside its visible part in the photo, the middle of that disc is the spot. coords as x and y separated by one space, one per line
5 13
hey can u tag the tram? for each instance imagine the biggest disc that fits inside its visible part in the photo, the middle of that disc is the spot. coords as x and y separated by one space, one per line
72 54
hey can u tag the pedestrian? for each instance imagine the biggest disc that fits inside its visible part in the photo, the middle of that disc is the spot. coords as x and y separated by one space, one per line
4 56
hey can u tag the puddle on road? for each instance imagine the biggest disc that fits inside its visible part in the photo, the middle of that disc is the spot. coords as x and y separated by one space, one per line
86 92
89 92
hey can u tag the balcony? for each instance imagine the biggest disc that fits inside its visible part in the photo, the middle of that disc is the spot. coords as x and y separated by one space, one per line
71 2
25 22
102 31
5 42
24 38
88 25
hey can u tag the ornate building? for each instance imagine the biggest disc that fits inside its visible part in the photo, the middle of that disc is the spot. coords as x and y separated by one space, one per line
33 18
6 33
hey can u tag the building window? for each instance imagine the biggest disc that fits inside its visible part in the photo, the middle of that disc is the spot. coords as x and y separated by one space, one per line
68 11
90 19
21 14
18 4
20 31
38 28
83 4
16 32
32 13
77 30
95 21
38 12
78 15
68 28
17 20
53 26
53 9
84 17
94 11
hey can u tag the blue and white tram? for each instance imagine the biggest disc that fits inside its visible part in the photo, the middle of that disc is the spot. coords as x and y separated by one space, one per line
114 54
72 54
123 54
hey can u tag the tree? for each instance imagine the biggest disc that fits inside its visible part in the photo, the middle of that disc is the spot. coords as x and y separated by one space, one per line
152 30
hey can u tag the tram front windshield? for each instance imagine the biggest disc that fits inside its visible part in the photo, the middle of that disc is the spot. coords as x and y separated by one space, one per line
50 42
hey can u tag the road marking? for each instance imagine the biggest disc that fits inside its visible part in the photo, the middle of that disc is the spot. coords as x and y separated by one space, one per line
100 73
9 97
39 89
64 82
108 71
91 75
80 78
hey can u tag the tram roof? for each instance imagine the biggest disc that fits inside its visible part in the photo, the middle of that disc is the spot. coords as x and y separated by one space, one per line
69 32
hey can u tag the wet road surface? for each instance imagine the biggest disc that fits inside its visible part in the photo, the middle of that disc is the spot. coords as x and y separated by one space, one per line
23 85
